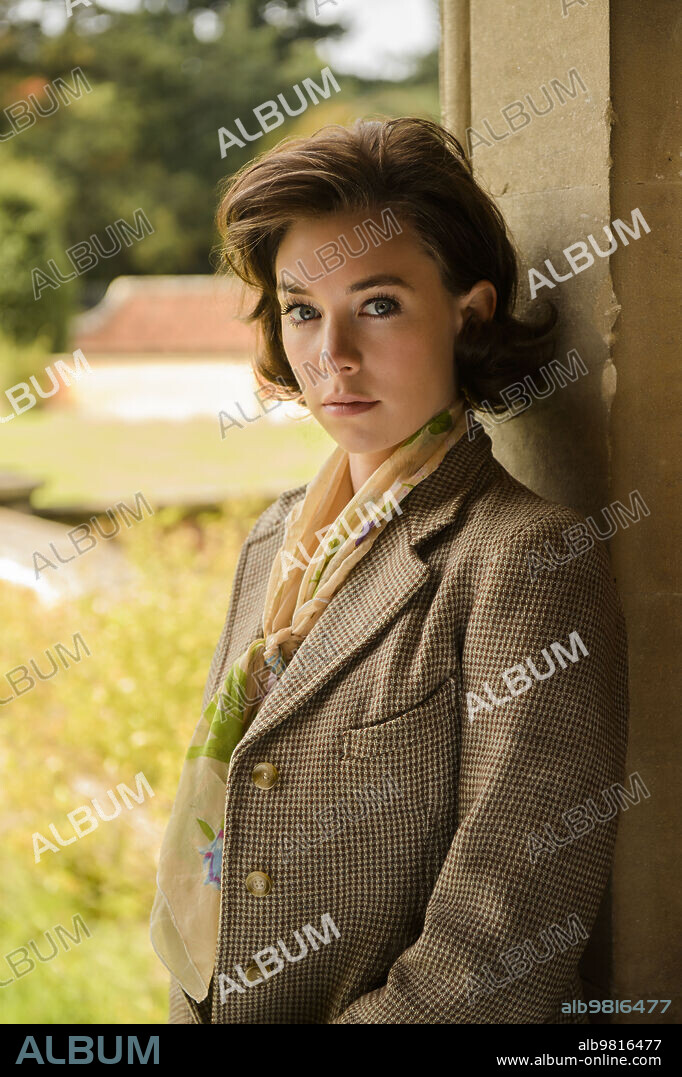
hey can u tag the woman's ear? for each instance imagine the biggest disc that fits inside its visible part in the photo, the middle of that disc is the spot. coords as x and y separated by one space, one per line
480 303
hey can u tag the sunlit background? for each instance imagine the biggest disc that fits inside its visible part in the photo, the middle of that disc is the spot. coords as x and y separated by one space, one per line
155 363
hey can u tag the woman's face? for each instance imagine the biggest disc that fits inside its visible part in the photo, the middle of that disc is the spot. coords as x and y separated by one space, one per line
380 325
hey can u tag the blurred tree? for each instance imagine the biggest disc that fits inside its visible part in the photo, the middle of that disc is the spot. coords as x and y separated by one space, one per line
31 212
165 81
164 78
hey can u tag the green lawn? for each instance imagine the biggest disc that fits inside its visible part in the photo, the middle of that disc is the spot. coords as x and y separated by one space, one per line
92 464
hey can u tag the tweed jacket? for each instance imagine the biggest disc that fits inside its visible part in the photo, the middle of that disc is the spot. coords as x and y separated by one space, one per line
426 838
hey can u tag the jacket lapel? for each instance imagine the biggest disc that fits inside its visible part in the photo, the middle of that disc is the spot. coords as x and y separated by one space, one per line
378 587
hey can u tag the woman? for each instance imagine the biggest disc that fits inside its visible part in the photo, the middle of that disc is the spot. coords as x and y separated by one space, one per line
401 718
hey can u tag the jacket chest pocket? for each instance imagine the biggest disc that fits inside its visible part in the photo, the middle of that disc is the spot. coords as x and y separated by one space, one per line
409 764
431 726
419 748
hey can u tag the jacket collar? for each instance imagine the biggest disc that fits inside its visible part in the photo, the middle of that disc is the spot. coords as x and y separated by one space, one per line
379 585
436 502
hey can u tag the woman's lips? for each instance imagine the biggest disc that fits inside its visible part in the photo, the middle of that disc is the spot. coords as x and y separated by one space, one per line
350 409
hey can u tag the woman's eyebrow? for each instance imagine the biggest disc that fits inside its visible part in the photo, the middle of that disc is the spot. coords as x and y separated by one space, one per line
294 288
371 282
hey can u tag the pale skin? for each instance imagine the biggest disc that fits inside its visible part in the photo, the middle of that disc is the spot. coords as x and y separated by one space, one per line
389 324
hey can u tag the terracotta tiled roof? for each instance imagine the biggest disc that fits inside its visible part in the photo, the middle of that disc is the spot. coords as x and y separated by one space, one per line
167 315
34 84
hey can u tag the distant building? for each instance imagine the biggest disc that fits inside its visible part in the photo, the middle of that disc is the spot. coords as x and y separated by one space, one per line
175 317
165 348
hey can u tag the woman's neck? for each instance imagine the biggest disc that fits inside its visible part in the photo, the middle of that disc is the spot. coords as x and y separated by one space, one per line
362 465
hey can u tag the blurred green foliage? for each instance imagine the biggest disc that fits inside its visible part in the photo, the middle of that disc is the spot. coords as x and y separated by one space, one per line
131 706
32 210
17 363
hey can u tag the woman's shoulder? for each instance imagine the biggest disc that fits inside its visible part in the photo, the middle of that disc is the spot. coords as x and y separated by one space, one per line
480 507
508 509
511 528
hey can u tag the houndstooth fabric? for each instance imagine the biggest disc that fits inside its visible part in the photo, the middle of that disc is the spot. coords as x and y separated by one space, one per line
431 884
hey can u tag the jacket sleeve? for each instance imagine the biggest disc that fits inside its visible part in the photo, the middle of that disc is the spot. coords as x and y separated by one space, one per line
511 909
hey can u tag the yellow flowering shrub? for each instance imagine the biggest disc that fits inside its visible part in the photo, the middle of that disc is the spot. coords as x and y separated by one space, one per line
128 707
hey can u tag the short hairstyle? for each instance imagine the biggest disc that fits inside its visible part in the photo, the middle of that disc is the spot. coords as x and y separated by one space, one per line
417 169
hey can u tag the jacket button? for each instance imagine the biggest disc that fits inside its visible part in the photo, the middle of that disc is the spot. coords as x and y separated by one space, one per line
253 973
258 883
264 775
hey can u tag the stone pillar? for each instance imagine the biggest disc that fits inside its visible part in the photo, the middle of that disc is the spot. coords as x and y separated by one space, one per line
645 448
567 109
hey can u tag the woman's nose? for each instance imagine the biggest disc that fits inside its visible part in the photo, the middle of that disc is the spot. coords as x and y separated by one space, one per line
327 362
340 346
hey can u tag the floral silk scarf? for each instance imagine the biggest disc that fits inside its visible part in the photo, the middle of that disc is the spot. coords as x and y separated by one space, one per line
315 558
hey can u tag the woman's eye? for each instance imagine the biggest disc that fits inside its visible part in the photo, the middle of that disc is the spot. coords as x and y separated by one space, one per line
383 308
301 313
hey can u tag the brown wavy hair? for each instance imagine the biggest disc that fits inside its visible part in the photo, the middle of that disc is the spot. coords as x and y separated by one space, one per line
419 170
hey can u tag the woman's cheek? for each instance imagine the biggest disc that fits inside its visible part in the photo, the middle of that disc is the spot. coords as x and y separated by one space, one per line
297 349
